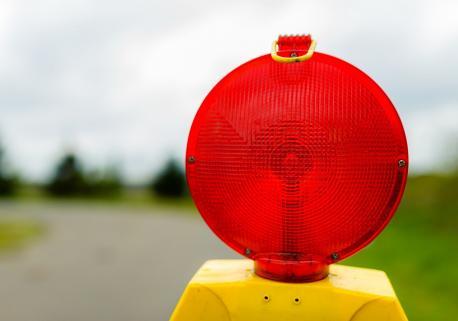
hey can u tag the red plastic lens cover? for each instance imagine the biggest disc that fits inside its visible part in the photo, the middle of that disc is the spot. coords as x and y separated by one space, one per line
296 163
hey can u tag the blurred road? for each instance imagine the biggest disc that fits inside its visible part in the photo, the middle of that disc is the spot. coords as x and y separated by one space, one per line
103 263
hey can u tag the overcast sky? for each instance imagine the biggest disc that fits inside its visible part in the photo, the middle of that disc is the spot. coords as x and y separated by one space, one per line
120 81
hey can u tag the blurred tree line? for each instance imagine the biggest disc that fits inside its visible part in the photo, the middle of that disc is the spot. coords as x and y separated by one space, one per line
71 179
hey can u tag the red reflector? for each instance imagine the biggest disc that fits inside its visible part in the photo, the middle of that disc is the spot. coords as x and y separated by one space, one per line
296 165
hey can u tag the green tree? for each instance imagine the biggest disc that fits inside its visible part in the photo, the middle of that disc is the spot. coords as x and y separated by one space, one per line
170 182
68 178
8 182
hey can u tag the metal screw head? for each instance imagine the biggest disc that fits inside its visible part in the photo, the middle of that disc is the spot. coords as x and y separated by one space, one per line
402 163
293 54
247 251
335 256
191 159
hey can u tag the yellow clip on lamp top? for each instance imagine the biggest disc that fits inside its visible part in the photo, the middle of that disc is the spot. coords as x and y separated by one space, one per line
304 57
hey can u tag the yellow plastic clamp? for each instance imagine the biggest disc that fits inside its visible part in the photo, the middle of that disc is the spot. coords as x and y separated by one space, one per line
307 56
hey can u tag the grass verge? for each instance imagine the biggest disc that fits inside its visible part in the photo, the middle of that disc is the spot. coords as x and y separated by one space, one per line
14 232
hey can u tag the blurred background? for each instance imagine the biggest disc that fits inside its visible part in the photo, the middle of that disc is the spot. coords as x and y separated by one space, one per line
96 101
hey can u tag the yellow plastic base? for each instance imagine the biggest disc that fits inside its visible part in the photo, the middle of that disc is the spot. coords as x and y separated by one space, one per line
228 290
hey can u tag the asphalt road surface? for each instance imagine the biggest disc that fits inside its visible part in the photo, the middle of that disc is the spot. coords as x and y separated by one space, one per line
103 263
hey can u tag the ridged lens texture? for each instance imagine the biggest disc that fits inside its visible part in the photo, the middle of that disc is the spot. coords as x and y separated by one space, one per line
296 165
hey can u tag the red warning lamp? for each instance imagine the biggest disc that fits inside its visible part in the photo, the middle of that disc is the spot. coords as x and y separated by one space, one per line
296 165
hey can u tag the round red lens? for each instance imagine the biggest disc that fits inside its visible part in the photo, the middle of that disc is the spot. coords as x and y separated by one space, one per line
296 165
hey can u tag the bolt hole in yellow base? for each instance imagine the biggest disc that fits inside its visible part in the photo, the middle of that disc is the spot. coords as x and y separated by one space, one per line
228 290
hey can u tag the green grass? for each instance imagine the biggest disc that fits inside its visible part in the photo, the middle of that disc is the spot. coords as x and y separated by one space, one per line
419 249
14 233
